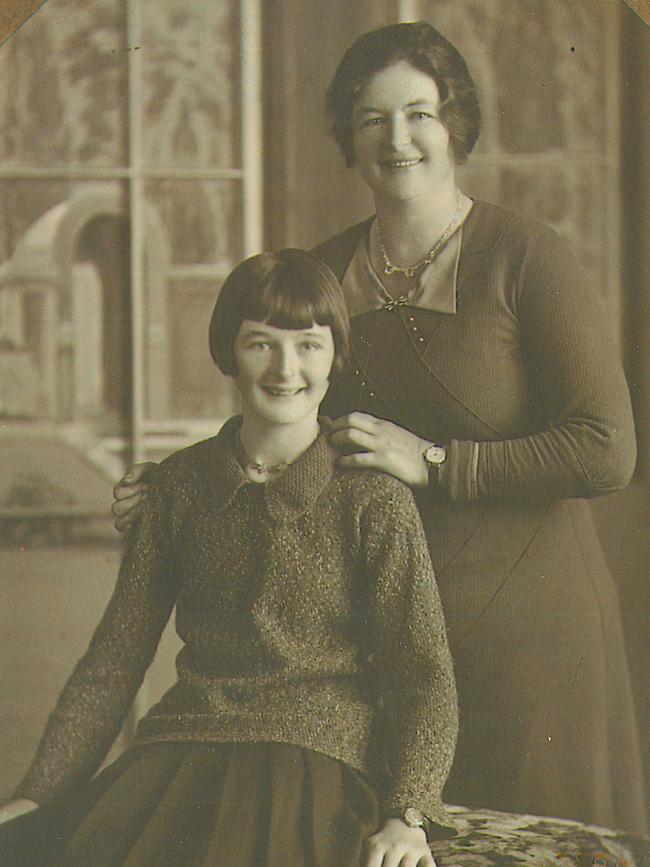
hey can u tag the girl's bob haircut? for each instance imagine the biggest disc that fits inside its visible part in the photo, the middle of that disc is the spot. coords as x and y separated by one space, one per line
425 49
287 289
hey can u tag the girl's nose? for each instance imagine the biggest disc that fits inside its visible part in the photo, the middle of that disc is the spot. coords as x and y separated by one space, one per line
399 132
286 361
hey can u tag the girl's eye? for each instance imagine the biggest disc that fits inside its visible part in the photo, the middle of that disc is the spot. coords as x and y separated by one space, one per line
422 115
310 345
259 344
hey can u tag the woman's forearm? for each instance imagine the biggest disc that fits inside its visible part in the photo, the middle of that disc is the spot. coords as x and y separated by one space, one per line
576 459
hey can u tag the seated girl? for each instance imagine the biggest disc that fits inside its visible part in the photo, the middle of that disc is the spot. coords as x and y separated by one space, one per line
314 717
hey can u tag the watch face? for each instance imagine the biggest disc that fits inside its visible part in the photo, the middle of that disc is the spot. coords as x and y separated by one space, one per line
413 817
435 454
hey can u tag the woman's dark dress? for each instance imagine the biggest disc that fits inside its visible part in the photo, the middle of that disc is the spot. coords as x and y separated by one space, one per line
523 384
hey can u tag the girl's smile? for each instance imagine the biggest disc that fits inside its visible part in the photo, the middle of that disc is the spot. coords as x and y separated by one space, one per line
283 373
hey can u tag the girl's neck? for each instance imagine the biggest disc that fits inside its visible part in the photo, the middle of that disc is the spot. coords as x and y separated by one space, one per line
273 444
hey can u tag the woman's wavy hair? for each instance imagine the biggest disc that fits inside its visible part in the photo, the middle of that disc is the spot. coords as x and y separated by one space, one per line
427 50
287 289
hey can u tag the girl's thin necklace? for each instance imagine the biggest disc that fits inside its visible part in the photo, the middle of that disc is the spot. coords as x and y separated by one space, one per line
390 268
260 469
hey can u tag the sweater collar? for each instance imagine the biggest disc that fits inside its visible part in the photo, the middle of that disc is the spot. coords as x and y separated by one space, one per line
288 496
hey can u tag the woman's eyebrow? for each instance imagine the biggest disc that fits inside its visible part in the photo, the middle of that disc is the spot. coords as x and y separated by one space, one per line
368 109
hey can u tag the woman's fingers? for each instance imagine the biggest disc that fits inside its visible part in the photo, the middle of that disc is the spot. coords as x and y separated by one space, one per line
135 473
125 492
356 420
125 506
353 437
364 460
126 512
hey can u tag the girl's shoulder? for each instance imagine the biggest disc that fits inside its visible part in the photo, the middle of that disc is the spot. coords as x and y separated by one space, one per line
196 468
374 490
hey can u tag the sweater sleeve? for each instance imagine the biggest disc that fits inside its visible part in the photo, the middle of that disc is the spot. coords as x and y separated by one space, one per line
411 655
586 445
96 698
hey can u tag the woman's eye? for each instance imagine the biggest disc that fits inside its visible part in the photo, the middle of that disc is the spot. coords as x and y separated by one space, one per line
310 346
422 115
372 121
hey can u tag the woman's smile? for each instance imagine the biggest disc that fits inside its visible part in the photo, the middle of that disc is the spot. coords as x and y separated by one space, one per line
401 147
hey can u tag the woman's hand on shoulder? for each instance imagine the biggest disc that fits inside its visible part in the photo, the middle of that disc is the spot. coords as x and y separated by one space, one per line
129 494
16 808
397 845
381 445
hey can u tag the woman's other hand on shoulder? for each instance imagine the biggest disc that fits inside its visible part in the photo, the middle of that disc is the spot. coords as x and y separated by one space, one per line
381 445
15 808
397 845
129 494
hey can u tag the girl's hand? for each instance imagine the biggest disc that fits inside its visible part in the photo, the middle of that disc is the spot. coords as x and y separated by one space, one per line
16 808
397 845
129 493
385 446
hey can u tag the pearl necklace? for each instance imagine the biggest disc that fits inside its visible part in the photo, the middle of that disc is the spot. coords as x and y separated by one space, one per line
390 268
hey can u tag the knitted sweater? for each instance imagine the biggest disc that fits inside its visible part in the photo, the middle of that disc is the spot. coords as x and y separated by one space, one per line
301 603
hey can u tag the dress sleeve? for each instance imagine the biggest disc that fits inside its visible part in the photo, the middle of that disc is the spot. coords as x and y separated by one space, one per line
586 444
411 656
96 698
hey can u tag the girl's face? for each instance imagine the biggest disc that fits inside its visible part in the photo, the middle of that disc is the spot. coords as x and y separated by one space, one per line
283 374
401 147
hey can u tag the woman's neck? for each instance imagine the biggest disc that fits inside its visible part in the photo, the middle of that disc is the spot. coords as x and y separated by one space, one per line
409 229
271 444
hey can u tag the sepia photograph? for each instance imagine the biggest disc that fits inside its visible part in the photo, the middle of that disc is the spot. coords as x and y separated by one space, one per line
324 433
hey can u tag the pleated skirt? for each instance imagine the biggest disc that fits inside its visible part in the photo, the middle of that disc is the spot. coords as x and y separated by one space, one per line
200 805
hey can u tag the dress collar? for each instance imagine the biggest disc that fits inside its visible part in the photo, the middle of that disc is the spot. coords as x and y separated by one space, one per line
436 288
288 496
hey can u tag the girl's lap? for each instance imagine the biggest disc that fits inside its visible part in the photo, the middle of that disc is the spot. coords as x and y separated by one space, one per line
186 805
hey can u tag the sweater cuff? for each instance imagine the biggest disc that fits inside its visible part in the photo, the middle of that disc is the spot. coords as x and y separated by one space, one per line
458 476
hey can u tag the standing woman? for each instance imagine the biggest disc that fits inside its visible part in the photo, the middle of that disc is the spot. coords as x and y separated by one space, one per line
484 376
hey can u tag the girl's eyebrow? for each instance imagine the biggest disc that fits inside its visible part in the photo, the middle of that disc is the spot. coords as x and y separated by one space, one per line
260 332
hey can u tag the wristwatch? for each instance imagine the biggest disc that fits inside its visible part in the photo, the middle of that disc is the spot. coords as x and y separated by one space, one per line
435 455
415 818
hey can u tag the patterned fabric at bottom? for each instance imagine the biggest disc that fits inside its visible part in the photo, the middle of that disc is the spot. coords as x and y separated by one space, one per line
487 838
196 805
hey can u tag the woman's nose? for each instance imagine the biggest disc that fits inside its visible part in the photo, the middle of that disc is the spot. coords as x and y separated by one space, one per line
398 131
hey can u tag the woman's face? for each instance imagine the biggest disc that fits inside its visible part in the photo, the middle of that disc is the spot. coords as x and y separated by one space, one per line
282 373
401 147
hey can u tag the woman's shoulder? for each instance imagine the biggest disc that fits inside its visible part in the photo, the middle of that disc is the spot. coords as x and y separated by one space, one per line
490 222
337 250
